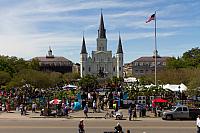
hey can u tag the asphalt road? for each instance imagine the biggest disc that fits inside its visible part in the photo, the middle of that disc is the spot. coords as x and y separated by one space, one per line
151 125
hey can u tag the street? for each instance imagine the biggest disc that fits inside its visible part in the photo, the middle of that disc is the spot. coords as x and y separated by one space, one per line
56 125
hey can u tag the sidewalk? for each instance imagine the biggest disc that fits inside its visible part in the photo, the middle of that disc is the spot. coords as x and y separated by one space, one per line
75 114
102 114
12 115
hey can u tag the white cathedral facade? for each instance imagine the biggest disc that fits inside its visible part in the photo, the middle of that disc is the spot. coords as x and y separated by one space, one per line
101 63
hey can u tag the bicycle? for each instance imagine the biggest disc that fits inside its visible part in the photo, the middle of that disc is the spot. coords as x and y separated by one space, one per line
108 115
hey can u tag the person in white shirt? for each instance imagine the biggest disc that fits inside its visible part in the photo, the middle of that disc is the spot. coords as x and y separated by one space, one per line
198 124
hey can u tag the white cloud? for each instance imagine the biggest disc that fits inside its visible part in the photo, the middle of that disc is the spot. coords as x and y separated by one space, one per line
139 35
26 31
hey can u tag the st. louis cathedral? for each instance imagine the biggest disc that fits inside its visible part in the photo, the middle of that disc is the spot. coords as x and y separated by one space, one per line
101 63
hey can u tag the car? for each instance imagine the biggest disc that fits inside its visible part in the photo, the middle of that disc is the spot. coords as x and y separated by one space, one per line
181 112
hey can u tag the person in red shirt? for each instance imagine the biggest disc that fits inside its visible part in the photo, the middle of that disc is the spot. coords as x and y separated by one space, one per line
81 127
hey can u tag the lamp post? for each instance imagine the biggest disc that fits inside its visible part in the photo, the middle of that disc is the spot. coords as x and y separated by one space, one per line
180 94
137 90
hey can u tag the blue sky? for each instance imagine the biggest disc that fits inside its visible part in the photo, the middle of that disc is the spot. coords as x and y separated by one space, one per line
29 27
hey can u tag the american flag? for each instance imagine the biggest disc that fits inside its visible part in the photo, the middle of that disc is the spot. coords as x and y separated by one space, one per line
152 17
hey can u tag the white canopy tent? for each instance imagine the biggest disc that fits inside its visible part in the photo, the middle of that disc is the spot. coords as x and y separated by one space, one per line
172 87
175 88
69 87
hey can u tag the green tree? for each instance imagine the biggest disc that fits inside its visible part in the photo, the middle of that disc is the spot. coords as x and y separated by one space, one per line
147 79
70 77
6 66
12 64
133 90
192 57
55 79
28 76
88 83
117 82
173 63
4 78
194 84
34 64
174 76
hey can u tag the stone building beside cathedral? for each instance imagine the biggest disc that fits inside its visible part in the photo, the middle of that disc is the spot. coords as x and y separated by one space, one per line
101 63
51 63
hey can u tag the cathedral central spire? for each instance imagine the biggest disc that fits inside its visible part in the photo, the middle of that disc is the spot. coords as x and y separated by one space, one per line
101 31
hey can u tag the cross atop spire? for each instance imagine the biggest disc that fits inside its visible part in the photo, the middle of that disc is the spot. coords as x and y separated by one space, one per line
101 31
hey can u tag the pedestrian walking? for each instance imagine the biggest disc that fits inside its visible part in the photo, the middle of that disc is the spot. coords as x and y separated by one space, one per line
24 109
128 131
118 128
94 106
198 124
3 107
155 112
21 108
85 110
134 113
42 112
0 106
81 127
7 107
33 107
130 111
66 110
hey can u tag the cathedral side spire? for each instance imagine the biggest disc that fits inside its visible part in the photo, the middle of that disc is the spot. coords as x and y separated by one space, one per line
101 31
119 49
83 49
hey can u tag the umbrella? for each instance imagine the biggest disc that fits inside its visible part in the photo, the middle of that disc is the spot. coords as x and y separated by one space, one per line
159 100
55 101
69 87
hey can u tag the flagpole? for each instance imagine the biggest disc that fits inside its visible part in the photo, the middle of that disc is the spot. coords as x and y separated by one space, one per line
155 52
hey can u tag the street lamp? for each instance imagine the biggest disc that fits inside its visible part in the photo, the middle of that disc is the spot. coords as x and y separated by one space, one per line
137 90
180 94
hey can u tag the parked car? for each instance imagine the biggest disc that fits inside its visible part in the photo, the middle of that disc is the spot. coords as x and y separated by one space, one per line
180 112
